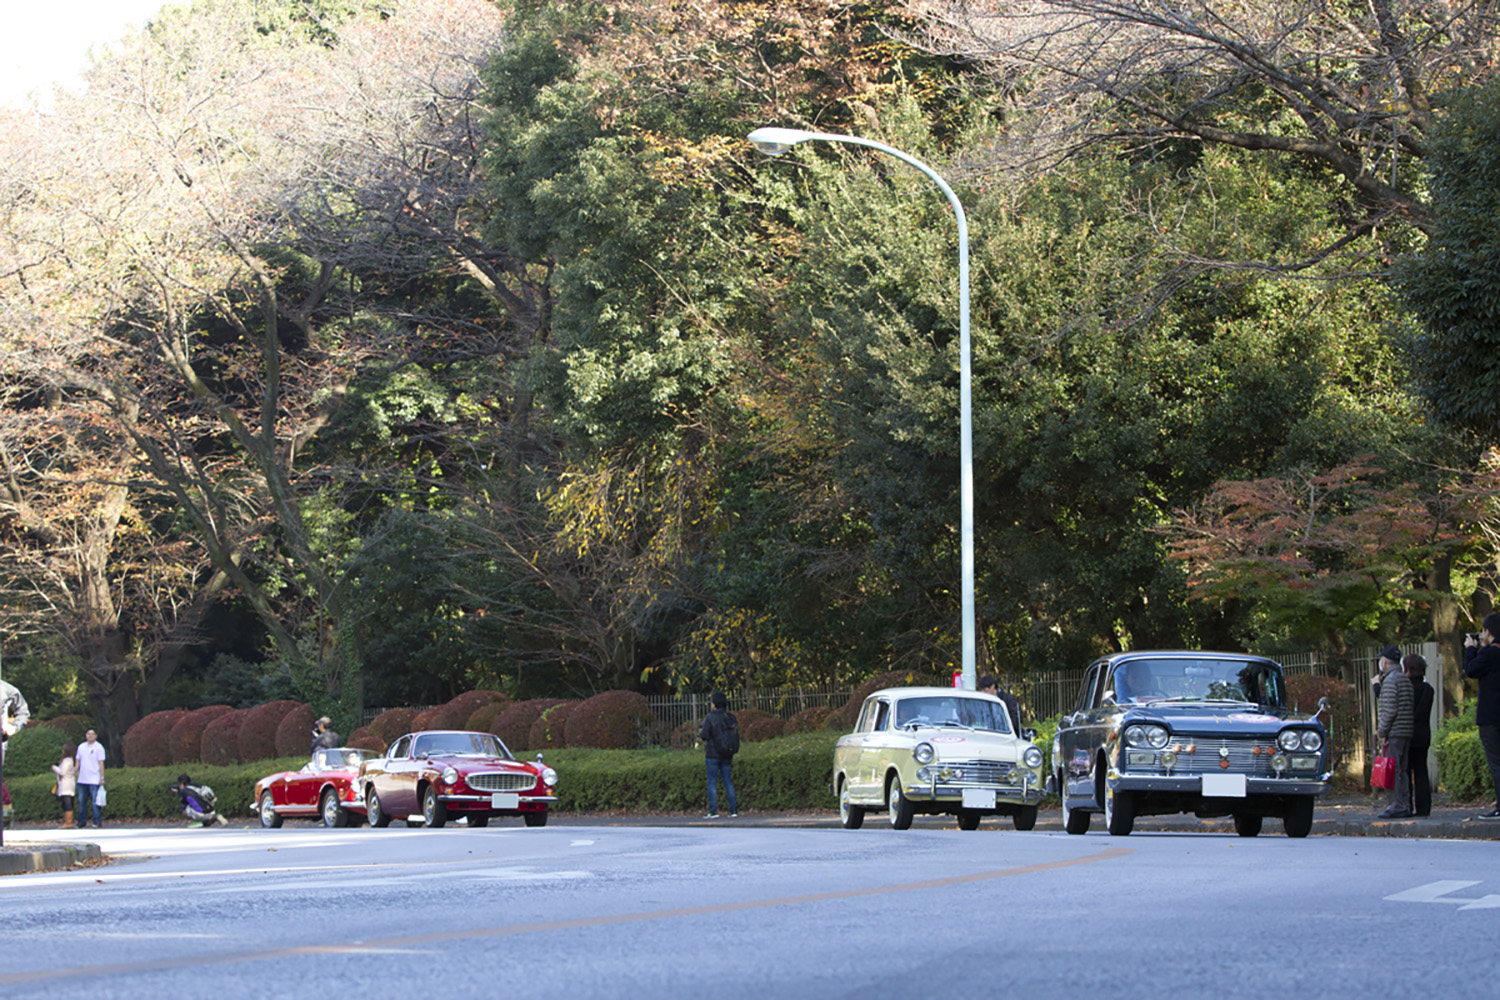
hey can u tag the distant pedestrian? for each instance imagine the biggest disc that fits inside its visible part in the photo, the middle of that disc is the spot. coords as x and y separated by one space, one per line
323 736
90 761
67 780
1482 662
720 734
198 802
990 684
1415 667
1393 729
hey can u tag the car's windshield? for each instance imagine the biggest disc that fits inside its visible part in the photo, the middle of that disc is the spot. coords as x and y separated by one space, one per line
1258 682
458 745
338 758
953 710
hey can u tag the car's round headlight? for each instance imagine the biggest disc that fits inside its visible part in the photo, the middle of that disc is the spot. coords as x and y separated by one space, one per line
1311 740
1032 757
1154 737
450 775
924 753
549 777
1289 739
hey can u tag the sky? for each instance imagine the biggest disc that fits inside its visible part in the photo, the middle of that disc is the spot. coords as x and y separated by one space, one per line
45 42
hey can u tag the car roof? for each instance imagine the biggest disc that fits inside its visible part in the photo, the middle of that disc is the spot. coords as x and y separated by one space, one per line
1181 654
925 692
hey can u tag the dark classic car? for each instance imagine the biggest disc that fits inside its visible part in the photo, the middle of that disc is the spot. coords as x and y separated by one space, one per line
1188 732
324 789
448 774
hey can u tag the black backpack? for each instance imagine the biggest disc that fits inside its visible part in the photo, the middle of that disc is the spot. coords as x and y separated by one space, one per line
729 739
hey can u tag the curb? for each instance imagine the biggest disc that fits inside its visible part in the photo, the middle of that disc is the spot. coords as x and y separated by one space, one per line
22 858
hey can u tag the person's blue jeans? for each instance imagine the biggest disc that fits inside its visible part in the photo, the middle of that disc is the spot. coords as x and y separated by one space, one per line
720 770
88 799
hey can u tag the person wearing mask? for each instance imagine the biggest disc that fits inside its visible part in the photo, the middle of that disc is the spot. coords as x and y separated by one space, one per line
1482 662
1393 729
1415 667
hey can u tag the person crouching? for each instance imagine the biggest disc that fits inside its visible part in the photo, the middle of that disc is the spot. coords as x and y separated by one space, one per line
197 802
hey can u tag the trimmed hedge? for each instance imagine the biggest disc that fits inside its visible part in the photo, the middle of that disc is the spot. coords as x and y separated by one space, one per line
294 731
513 725
762 729
142 792
186 738
484 716
455 713
549 731
808 719
391 723
842 720
611 720
1463 772
33 751
73 726
364 738
220 743
257 736
147 743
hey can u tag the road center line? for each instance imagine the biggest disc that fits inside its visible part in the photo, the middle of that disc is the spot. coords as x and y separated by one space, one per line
508 930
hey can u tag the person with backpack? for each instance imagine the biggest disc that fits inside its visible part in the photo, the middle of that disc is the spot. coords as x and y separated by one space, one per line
198 802
720 734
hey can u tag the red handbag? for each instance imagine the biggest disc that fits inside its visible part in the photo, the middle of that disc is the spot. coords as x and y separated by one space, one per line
1383 773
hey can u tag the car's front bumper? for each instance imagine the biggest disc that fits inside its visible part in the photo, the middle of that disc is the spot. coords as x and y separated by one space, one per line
487 799
1192 784
953 793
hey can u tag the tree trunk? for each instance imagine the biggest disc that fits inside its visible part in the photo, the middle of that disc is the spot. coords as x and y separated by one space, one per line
1447 628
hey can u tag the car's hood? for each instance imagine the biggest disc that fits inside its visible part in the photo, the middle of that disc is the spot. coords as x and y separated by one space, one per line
951 743
1210 718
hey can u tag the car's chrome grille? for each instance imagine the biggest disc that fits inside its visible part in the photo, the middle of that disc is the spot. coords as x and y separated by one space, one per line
501 781
981 772
1209 752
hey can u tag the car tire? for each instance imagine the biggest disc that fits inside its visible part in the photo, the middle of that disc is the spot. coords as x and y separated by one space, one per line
1024 818
968 819
1119 812
535 819
376 815
333 814
850 815
1075 821
1298 821
1247 825
901 810
434 811
269 818
478 822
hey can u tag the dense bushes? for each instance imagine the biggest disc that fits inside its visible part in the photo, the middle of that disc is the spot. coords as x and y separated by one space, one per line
1342 718
147 743
843 719
185 741
767 728
364 738
1462 770
808 719
611 720
294 731
72 726
220 744
33 751
257 736
550 728
455 713
391 723
142 793
513 725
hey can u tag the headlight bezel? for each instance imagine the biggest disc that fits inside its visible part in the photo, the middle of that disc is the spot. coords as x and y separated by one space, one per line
1032 757
924 753
1147 735
1304 740
549 777
449 775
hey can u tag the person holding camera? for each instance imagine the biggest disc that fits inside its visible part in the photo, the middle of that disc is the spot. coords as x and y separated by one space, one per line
1482 662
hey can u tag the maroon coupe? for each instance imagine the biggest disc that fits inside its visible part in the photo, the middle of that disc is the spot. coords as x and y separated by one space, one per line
443 775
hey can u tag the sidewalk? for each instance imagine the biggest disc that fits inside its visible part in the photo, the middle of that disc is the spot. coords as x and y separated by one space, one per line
17 856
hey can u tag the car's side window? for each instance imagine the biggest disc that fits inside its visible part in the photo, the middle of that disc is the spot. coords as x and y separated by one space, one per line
866 718
882 715
398 749
1086 692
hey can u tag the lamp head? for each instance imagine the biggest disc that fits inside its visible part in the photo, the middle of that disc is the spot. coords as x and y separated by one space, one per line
775 141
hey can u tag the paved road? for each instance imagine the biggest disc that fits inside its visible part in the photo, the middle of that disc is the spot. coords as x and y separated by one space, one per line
580 912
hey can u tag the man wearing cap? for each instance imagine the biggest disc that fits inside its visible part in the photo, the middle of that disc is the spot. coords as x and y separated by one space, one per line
323 738
1482 662
1395 723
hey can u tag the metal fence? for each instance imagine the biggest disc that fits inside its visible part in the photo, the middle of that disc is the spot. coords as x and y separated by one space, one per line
783 702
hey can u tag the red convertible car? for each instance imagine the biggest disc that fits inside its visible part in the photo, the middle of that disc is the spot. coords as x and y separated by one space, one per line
443 775
325 788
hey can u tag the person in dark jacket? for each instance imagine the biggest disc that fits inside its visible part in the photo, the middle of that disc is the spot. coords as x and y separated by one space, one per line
720 734
323 736
990 684
1482 662
1393 729
1415 667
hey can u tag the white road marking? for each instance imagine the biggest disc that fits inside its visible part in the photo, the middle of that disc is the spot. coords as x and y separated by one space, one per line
1438 892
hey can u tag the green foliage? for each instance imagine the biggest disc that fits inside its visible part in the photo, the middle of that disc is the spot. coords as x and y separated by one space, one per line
48 679
33 751
1453 283
144 792
1462 770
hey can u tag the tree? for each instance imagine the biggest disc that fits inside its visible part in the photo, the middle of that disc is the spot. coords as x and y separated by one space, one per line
1349 89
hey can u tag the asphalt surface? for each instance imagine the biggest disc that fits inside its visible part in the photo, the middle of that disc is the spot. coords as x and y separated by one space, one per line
1342 816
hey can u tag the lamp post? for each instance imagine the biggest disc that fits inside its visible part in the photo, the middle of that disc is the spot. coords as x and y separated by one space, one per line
774 142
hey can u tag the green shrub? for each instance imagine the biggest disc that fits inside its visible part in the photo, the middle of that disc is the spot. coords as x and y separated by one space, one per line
147 743
257 736
143 793
294 731
611 720
1462 770
185 741
220 744
74 726
33 751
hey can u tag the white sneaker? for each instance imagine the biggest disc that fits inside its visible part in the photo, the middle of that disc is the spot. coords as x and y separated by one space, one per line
712 816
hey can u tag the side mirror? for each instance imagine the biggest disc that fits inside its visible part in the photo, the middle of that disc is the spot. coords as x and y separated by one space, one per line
1322 707
1029 735
1108 699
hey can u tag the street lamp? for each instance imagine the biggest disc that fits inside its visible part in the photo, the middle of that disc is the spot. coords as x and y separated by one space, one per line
774 142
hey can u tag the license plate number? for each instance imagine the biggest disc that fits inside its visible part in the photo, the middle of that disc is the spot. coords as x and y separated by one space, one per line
505 800
1224 786
979 798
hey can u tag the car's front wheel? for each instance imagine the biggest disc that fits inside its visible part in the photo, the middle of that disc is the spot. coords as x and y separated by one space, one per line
1119 812
1247 826
334 815
269 818
1075 821
434 811
901 810
535 819
850 815
1299 819
377 816
968 819
1024 818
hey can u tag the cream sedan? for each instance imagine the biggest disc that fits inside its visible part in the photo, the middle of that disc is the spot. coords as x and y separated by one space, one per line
936 750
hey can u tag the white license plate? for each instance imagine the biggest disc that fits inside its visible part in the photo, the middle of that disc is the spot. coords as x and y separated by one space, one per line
979 798
1224 786
505 800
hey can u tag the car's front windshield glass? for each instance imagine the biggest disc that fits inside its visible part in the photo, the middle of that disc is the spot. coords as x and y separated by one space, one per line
458 745
1256 682
953 710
